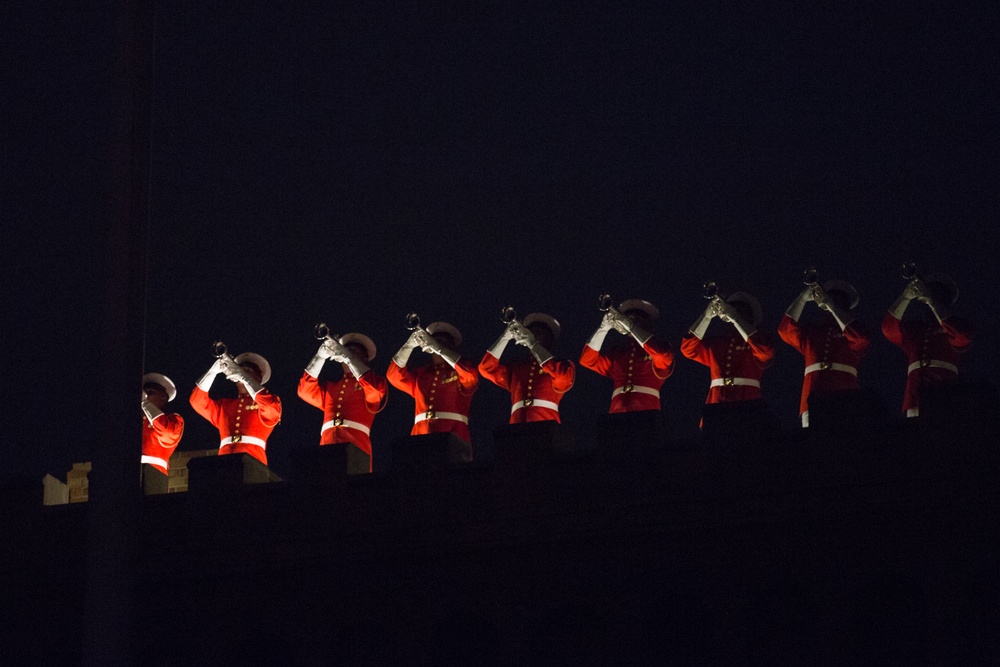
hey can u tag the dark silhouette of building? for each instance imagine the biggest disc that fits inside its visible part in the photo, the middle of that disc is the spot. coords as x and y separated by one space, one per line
857 541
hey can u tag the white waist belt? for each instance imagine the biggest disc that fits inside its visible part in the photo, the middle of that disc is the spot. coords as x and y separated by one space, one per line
534 402
248 439
636 389
434 414
932 363
726 382
830 366
154 461
358 426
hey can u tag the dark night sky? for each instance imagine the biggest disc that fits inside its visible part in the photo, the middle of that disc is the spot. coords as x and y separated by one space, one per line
350 164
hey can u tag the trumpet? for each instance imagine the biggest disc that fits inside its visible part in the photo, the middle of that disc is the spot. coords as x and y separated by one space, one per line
219 349
322 332
412 322
810 277
711 290
508 315
909 271
604 304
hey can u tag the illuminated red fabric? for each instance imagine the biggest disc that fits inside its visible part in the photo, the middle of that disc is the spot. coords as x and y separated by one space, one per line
924 340
645 366
160 438
348 398
241 416
729 355
438 387
823 341
527 380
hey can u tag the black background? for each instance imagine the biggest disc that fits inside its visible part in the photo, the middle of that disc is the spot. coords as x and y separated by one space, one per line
351 162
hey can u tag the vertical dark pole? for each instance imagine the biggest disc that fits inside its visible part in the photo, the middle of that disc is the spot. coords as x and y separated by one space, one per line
113 508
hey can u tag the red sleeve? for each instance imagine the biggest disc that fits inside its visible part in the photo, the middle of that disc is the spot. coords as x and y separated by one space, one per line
959 332
269 407
310 391
169 427
204 405
892 328
468 376
763 348
790 331
858 337
595 361
376 390
563 374
491 369
693 348
400 378
662 354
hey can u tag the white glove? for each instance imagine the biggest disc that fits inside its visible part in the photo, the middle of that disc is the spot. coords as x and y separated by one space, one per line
412 343
205 381
497 348
700 325
913 290
336 352
148 409
238 375
606 325
316 363
427 342
728 314
794 311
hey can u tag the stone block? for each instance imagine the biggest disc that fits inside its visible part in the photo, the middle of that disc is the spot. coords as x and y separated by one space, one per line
429 452
846 413
738 424
225 474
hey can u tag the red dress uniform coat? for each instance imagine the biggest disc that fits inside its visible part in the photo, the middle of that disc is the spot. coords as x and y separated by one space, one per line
535 391
736 365
637 372
244 423
832 356
442 395
349 406
160 439
933 352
